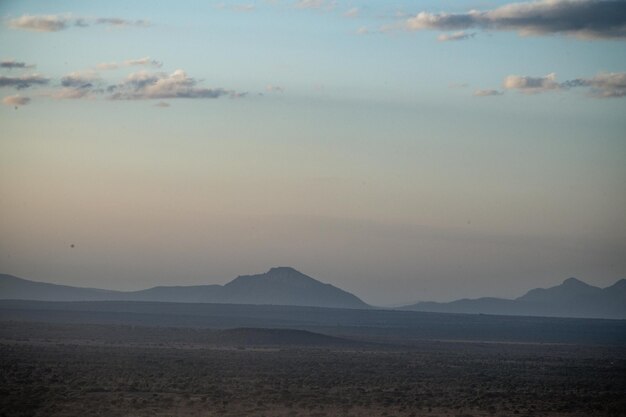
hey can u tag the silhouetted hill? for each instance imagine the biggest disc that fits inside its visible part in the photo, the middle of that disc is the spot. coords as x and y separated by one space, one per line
132 335
279 286
573 298
12 288
277 337
287 286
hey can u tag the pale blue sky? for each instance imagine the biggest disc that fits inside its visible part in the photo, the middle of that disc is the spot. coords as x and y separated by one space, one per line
371 165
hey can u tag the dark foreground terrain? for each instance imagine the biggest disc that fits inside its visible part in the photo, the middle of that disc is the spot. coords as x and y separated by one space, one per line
54 369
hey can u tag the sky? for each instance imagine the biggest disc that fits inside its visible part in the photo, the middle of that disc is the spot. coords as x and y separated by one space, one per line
401 150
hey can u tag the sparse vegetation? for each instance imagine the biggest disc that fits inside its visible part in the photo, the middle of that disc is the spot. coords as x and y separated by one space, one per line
71 370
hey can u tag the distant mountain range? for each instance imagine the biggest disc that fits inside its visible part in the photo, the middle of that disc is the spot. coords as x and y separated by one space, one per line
278 286
286 286
573 298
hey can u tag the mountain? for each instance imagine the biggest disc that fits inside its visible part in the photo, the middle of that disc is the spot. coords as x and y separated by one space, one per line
572 298
278 286
17 288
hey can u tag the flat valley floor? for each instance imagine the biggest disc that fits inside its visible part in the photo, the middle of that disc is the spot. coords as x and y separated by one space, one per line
51 369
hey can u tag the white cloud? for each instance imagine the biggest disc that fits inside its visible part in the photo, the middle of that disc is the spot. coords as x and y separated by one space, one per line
16 100
145 61
69 93
47 23
531 85
145 85
56 23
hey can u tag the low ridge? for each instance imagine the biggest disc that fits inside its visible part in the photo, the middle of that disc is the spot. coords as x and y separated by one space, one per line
572 298
278 286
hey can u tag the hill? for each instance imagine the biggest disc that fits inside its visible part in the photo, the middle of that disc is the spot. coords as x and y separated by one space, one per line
278 286
572 298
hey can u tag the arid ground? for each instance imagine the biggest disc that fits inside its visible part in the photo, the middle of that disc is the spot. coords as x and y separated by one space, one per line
50 369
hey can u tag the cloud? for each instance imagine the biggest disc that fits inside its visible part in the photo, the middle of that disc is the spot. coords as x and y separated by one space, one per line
456 36
274 89
487 93
119 22
531 85
585 19
145 61
77 85
243 8
56 23
70 93
144 85
16 100
353 12
23 81
326 5
49 23
363 31
11 64
79 79
603 85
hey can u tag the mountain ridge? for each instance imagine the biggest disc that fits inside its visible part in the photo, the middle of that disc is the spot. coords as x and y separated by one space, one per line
278 286
571 298
287 286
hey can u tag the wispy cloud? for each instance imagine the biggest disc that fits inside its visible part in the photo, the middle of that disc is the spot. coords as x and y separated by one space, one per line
602 85
23 81
144 85
487 93
48 23
16 100
241 8
270 88
58 22
119 22
456 36
585 19
244 8
146 61
12 64
325 5
353 12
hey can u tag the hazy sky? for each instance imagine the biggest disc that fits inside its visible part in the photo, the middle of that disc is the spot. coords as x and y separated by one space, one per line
402 150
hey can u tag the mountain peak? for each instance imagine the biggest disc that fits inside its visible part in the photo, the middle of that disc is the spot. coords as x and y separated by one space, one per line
574 282
283 270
